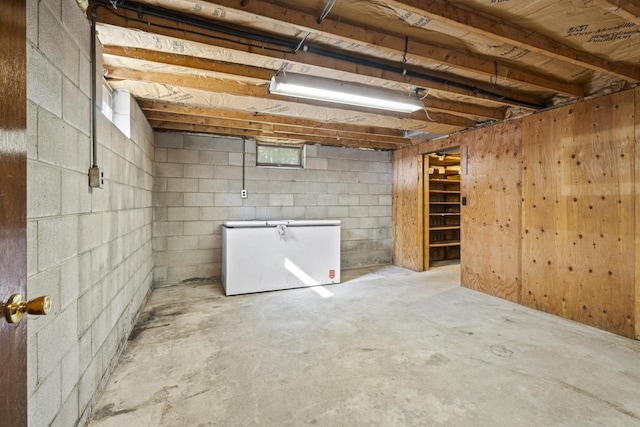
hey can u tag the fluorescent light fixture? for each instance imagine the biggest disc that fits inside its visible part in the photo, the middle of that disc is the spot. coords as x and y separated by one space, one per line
309 87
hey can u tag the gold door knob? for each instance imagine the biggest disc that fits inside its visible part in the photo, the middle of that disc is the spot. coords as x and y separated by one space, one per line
15 307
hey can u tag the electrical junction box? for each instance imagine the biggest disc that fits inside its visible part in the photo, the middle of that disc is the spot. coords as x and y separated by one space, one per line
96 177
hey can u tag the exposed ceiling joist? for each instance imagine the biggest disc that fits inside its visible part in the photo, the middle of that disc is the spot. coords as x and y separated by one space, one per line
393 44
627 9
147 105
526 39
302 132
441 82
167 125
240 89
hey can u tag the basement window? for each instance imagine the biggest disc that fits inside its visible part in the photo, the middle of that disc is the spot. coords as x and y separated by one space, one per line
280 156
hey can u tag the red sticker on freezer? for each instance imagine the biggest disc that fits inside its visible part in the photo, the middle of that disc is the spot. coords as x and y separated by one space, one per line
332 274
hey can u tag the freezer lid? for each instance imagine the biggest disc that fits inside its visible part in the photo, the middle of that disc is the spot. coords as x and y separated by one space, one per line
287 222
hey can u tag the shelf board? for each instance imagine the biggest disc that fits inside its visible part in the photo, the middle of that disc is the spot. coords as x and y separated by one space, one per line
445 244
444 191
444 214
447 181
446 227
443 203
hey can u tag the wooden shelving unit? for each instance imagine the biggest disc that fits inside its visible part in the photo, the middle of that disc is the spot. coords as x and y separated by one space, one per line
442 207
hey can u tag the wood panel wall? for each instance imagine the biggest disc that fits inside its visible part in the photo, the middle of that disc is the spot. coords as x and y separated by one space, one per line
490 235
553 214
578 212
407 209
637 208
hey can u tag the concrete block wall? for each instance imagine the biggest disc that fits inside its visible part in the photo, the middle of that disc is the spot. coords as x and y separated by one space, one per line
91 251
197 187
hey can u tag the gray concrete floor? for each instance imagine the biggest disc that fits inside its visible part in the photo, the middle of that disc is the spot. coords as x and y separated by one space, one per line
389 347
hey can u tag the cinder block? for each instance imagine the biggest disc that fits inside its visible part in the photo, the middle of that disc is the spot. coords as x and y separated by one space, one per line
215 158
57 141
160 155
180 243
316 163
100 330
45 402
170 170
76 194
160 274
182 185
32 130
32 364
168 140
89 381
230 199
56 43
359 211
43 190
84 272
68 413
305 199
69 283
168 199
368 200
57 241
269 212
348 200
293 212
338 164
316 187
183 214
199 171
316 212
380 211
280 200
214 213
338 212
384 200
69 371
213 186
213 241
76 107
182 156
44 82
196 228
226 172
55 340
32 248
100 262
76 24
89 231
311 150
159 244
198 199
243 213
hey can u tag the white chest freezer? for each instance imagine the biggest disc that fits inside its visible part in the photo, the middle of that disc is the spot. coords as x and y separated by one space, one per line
262 256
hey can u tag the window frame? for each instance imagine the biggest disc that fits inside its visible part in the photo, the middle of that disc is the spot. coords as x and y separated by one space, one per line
301 156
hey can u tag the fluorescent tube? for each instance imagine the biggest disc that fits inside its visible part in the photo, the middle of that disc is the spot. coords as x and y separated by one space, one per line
343 93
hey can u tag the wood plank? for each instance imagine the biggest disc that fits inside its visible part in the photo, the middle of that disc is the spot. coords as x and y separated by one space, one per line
396 45
417 76
149 105
637 210
578 222
444 244
507 32
241 89
215 130
407 217
627 9
272 128
468 110
490 235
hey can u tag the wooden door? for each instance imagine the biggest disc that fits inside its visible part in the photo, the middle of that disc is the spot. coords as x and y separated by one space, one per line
13 208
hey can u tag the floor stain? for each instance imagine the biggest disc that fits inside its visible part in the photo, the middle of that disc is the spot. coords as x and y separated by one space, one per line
593 396
107 411
501 351
156 314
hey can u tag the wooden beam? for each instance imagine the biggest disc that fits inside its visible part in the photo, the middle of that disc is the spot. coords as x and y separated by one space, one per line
440 81
245 71
627 9
160 106
257 134
302 132
235 88
522 38
396 45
